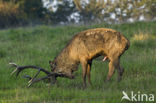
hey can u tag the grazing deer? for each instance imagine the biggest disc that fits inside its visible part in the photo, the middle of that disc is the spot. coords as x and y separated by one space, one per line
82 49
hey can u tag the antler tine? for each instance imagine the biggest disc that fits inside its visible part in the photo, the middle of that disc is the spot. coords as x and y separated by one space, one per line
14 65
35 76
18 69
34 80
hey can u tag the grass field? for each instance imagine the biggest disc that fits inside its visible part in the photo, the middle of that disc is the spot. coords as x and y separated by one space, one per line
37 45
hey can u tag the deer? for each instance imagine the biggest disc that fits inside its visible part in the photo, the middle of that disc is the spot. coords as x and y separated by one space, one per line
82 49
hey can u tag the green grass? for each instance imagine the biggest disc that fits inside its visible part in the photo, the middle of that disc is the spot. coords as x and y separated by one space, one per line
37 45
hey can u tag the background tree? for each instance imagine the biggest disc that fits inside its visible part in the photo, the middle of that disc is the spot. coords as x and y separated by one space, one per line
9 13
21 12
32 8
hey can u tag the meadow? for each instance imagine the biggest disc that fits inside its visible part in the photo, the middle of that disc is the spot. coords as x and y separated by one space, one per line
37 45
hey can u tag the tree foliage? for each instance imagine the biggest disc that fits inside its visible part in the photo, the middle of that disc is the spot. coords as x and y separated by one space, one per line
123 10
9 13
64 10
21 12
91 10
32 8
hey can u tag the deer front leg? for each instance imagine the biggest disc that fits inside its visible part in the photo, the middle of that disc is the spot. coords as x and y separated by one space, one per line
84 71
116 65
88 72
112 65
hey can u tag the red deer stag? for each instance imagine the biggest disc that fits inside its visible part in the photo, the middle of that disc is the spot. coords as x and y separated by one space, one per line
83 48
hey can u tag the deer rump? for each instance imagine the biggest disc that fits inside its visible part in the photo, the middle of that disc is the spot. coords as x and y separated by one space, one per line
82 49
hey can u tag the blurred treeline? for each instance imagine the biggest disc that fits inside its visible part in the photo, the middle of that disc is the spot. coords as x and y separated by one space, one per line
24 12
21 12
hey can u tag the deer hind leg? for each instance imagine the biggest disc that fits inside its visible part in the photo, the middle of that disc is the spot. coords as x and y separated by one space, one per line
120 73
84 71
88 71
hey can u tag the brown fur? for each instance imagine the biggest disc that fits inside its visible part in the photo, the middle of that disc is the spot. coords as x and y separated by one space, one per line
87 45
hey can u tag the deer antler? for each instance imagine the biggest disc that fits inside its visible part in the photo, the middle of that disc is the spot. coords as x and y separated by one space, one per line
50 75
18 69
